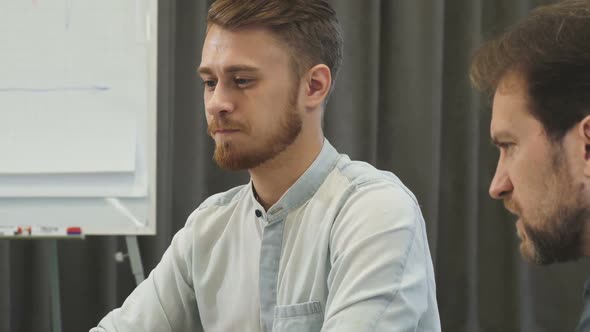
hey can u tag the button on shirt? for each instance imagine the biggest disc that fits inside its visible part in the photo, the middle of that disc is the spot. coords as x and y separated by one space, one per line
344 249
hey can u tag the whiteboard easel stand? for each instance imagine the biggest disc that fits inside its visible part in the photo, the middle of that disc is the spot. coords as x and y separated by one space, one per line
134 258
54 291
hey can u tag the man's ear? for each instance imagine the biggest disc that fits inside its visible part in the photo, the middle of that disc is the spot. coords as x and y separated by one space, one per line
318 81
584 132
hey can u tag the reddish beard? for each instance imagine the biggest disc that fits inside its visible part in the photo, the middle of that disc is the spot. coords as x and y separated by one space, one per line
229 155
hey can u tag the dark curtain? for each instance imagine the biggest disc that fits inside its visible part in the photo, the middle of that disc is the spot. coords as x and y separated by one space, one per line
402 102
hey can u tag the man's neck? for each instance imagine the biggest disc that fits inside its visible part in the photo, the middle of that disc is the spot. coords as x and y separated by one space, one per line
273 178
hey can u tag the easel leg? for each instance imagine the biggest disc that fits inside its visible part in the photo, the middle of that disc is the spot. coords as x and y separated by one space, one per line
54 287
134 258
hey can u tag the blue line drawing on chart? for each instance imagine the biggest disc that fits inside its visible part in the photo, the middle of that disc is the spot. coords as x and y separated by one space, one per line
94 88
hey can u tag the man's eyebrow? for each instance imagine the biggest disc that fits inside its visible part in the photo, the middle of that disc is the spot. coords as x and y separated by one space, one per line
499 136
204 71
229 69
238 68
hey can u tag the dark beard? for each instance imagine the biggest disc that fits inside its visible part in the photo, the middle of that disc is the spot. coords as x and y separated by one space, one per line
563 241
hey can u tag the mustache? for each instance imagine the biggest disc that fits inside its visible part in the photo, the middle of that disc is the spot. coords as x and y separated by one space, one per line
224 124
511 205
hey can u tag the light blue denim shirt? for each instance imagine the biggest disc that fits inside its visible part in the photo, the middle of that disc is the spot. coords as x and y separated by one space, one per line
344 249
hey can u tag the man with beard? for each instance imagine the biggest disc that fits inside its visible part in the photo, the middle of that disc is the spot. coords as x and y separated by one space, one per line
539 73
315 241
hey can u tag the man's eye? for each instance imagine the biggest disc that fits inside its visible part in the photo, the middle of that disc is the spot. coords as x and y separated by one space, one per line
209 84
506 146
243 82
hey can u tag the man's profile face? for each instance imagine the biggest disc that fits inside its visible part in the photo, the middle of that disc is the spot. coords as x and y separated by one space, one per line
250 94
534 179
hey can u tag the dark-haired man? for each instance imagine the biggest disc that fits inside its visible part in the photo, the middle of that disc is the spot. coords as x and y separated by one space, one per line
539 73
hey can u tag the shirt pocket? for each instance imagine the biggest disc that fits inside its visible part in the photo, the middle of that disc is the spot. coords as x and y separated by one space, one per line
307 316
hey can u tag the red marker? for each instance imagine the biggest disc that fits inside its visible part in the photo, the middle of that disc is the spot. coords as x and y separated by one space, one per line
74 231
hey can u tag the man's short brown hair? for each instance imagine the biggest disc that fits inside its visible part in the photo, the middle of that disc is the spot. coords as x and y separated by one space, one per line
309 27
550 49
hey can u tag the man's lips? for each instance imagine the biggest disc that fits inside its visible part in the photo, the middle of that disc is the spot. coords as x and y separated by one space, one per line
225 131
520 229
512 209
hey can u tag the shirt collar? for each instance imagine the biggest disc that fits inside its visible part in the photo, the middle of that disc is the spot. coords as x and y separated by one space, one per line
307 184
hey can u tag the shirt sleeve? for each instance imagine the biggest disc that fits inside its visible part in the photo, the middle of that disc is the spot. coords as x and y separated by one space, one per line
165 301
381 277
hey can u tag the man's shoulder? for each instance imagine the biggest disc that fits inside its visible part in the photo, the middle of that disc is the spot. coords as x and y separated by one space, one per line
363 178
224 198
584 323
217 202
